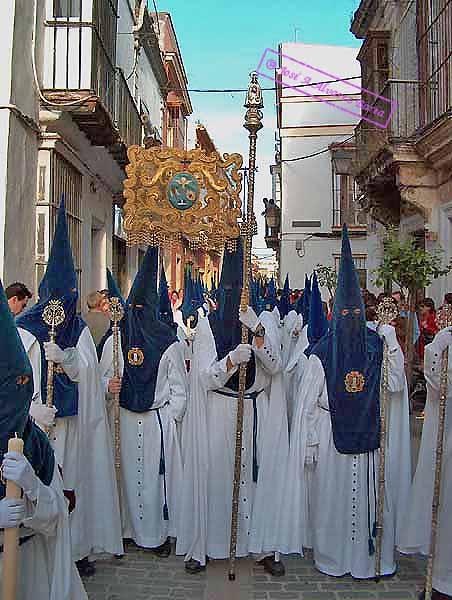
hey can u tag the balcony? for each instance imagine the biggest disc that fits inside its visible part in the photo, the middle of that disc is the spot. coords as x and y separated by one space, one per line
128 120
372 141
81 77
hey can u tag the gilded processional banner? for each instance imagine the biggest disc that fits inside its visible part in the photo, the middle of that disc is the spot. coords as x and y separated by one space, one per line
172 193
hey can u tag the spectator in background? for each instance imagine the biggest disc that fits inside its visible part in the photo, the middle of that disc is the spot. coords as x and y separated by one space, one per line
428 325
96 318
448 298
175 299
18 295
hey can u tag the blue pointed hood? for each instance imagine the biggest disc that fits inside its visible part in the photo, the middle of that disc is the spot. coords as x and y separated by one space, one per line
351 356
113 292
144 288
224 322
270 297
284 303
59 283
317 322
190 302
113 288
304 301
144 338
165 312
16 392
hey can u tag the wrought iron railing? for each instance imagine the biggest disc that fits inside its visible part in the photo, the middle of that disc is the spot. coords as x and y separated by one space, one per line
405 120
128 119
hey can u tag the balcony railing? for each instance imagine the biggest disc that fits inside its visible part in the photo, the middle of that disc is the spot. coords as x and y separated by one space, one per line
81 66
405 120
128 119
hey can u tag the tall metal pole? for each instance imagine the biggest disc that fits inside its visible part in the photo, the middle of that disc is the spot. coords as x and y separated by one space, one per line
253 123
386 312
444 320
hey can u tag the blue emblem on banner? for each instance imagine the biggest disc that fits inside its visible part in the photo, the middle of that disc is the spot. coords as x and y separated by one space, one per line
182 191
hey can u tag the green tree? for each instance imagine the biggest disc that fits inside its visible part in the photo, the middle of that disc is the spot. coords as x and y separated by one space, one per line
327 277
412 269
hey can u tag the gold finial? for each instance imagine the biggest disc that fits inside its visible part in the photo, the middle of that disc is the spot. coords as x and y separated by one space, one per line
254 95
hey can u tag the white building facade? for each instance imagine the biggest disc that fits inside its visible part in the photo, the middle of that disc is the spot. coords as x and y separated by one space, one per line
100 86
311 180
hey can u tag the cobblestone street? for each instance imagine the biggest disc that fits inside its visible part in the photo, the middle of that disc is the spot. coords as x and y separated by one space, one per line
141 576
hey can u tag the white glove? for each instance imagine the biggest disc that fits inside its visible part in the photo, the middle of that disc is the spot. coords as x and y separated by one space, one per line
17 468
53 352
312 455
249 318
388 333
443 338
12 512
67 359
43 414
240 355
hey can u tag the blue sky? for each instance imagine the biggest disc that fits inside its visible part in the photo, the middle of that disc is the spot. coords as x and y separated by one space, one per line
221 43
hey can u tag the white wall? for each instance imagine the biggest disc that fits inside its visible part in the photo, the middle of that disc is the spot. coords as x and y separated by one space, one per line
18 144
309 126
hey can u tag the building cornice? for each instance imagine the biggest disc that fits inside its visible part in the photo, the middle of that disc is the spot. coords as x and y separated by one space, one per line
150 43
363 17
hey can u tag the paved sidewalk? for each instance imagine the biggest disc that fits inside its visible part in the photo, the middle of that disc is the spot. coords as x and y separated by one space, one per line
142 576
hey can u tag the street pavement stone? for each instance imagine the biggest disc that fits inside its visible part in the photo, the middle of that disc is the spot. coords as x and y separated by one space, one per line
141 575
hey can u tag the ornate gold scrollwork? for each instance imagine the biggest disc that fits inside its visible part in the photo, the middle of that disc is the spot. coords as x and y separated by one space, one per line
172 193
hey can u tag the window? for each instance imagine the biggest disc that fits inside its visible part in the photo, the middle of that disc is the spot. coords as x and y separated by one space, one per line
374 59
345 205
66 9
434 51
65 180
172 121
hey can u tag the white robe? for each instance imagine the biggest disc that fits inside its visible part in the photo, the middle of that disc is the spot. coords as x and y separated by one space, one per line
83 448
46 570
142 493
417 525
209 436
337 513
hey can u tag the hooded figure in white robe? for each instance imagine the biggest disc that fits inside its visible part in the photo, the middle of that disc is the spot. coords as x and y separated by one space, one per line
210 432
316 328
45 568
79 430
152 402
416 532
337 427
296 358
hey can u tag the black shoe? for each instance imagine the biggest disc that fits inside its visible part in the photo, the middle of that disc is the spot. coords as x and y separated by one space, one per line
164 550
86 568
275 568
119 556
193 566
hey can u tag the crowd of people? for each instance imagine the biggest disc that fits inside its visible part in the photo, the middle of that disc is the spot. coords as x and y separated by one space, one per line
310 447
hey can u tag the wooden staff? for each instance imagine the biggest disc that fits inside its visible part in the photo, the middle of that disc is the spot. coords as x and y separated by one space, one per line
53 316
444 320
253 123
117 313
387 311
11 536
